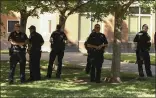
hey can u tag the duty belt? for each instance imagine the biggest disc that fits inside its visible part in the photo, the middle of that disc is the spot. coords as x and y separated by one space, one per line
16 51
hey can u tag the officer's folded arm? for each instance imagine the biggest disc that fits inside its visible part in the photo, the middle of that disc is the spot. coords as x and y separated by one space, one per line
21 43
91 46
148 42
12 42
103 45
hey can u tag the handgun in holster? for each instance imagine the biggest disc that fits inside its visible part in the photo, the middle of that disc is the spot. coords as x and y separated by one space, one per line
10 51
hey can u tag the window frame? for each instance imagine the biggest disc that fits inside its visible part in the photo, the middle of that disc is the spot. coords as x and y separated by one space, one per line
91 27
83 15
50 26
139 21
8 23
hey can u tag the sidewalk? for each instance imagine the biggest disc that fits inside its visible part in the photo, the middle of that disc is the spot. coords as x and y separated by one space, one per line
77 58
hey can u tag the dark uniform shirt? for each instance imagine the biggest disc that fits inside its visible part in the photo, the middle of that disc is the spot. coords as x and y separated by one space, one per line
36 41
57 40
142 39
19 38
85 44
97 39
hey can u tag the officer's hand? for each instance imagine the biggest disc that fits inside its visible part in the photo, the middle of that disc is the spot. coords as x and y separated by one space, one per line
14 43
98 47
21 44
148 42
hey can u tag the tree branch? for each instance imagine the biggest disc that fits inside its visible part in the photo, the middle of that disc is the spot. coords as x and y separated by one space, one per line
79 5
38 5
126 6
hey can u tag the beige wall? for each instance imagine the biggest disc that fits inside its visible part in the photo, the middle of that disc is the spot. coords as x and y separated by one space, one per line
72 27
5 19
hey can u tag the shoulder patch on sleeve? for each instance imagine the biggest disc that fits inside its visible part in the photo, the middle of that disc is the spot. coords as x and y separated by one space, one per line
140 34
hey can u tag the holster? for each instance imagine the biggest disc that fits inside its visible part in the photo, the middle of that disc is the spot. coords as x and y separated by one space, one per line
10 51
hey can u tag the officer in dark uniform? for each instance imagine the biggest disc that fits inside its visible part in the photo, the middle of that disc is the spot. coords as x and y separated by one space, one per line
34 45
96 42
17 53
88 65
143 46
58 40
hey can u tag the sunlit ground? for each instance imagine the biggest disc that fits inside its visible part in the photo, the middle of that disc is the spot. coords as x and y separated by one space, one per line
75 83
131 58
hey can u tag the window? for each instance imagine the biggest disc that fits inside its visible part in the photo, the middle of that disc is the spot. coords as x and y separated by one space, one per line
49 24
139 17
145 20
11 24
145 11
134 10
133 27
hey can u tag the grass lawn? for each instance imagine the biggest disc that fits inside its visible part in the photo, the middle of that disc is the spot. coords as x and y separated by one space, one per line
75 83
4 51
131 57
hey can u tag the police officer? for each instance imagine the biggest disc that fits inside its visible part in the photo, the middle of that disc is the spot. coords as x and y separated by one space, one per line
35 43
17 53
58 40
88 65
96 42
143 46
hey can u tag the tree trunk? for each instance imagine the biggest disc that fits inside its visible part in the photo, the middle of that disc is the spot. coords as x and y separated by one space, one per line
62 21
115 68
23 22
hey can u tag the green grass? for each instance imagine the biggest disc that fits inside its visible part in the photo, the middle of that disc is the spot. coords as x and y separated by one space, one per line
4 51
7 51
131 57
75 83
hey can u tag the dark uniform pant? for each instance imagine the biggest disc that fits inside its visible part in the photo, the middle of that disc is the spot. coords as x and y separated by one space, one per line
96 65
88 65
53 54
34 65
16 57
144 57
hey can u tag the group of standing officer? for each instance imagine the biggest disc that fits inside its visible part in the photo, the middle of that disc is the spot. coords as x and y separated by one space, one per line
95 45
17 52
20 43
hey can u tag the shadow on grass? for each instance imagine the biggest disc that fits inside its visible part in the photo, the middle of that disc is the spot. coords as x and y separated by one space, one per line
76 83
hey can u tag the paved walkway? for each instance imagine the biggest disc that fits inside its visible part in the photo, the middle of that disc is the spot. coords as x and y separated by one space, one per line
77 58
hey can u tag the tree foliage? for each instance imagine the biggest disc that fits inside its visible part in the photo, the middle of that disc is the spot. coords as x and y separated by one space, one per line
30 8
65 8
26 8
148 4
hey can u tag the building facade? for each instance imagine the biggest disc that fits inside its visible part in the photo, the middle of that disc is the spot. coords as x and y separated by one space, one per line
78 28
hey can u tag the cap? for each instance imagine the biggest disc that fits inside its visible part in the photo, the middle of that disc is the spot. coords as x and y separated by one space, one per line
17 25
32 27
